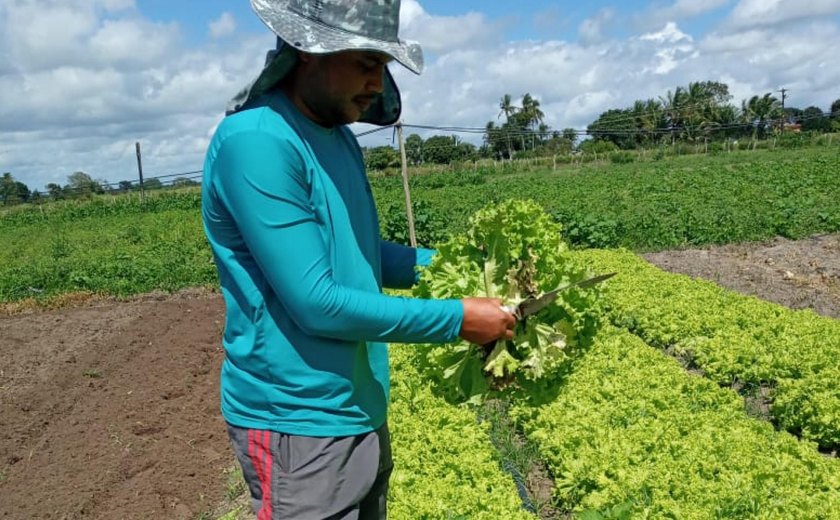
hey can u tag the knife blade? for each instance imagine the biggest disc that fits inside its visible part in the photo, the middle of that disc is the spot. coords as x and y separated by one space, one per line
534 305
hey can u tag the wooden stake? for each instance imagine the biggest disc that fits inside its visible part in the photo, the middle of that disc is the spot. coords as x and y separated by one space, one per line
140 171
408 209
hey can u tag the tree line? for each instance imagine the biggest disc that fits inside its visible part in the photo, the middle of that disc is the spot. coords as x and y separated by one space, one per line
79 185
703 111
700 112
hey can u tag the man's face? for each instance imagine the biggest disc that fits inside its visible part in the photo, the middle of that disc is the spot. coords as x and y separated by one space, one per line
337 88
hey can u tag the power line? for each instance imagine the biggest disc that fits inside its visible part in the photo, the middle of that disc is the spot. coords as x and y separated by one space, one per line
501 134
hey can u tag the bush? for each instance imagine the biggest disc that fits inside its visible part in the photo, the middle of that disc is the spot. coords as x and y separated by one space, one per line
625 157
598 146
429 227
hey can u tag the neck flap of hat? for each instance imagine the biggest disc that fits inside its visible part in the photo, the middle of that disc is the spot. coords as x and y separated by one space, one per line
384 110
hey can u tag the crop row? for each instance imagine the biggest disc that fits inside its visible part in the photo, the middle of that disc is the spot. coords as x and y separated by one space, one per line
645 206
642 206
631 433
445 466
736 340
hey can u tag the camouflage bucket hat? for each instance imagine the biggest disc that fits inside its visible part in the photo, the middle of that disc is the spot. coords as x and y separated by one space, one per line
325 26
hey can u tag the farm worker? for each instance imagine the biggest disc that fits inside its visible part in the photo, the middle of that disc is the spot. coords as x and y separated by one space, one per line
291 220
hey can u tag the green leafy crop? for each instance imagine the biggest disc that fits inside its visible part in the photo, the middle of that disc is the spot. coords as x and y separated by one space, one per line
511 251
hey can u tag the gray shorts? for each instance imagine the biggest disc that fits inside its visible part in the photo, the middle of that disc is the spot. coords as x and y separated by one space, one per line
317 478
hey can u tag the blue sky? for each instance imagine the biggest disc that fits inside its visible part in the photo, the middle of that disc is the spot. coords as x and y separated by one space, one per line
86 79
542 18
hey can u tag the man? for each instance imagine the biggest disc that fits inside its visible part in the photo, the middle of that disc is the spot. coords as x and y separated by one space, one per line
289 215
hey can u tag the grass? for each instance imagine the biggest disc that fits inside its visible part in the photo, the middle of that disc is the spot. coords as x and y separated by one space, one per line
237 505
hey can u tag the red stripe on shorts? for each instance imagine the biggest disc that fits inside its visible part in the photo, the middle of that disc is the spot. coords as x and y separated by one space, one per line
268 464
259 454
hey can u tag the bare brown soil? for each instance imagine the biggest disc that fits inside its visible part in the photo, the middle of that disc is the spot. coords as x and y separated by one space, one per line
802 274
111 409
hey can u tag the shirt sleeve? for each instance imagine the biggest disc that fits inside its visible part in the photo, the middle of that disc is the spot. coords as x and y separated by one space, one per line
262 180
399 264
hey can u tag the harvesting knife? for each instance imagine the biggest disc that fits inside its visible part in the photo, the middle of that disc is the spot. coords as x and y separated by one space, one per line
533 305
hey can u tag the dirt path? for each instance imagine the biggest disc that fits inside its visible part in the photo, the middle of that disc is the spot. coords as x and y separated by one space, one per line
798 274
111 411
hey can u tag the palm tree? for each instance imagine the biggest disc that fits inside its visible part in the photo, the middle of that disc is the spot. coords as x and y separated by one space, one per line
543 132
673 105
759 111
489 130
649 117
531 113
506 106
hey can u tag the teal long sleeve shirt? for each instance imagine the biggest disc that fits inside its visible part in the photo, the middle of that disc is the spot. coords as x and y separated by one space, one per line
291 221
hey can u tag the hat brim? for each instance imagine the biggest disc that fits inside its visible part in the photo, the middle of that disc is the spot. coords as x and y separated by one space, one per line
311 36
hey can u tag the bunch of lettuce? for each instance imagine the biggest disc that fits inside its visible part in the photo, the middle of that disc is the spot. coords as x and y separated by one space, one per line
511 251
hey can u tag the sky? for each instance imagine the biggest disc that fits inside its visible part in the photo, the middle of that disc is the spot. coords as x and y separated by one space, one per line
82 80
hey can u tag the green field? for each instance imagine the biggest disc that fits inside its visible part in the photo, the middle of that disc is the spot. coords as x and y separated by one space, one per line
120 246
629 433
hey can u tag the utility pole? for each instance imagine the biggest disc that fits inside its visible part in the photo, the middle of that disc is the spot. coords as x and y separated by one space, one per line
784 92
140 171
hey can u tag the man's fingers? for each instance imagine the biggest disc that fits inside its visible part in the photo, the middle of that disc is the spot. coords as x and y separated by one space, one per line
511 321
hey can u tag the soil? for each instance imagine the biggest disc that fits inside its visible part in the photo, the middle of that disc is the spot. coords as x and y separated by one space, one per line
111 409
802 274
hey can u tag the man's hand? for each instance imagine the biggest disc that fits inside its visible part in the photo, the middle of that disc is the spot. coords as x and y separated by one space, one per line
486 321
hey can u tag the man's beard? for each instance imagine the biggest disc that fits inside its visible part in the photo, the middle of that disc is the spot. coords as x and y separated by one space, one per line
334 112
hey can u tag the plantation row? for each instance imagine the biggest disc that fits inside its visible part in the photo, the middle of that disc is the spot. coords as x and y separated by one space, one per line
444 464
624 429
631 430
650 206
734 339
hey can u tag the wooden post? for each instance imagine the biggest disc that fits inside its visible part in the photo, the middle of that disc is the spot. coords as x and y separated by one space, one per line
140 171
408 209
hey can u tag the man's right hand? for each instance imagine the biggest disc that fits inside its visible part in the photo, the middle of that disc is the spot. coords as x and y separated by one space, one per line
485 321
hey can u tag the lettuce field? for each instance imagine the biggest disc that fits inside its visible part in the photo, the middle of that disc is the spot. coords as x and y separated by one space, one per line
653 396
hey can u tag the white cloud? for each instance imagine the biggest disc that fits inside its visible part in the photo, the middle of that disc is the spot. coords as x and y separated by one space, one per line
115 5
756 13
225 25
576 82
110 77
675 46
134 42
88 78
671 33
677 11
591 29
443 33
682 9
